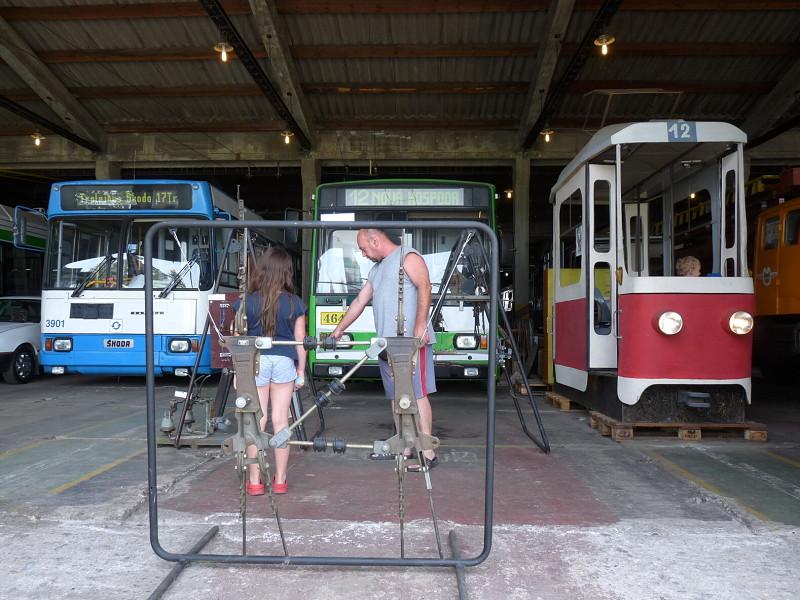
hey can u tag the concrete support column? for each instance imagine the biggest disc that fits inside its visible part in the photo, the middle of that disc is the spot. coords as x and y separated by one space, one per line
106 169
522 216
310 174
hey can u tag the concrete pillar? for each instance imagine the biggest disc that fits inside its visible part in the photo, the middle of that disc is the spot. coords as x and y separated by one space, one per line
522 216
106 169
310 174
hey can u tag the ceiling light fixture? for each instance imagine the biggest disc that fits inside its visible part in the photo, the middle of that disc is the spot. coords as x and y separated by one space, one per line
286 136
547 133
37 138
223 48
509 193
604 41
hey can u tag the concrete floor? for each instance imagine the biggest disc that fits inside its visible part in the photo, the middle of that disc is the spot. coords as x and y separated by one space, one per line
650 518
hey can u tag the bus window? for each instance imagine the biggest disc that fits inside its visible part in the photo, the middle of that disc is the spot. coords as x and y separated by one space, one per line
341 268
84 250
792 230
769 239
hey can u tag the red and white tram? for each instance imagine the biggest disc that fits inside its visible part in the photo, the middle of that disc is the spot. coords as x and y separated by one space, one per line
632 338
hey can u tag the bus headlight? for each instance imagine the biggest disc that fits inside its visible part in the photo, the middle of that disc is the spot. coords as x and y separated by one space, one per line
466 342
179 345
670 323
62 345
741 322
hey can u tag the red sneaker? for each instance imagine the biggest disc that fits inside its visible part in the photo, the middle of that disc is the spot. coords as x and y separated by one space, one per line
280 488
255 489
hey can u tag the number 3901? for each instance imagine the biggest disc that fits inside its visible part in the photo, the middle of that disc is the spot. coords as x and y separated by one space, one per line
54 322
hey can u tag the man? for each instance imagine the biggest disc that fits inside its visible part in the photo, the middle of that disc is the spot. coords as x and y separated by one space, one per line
382 288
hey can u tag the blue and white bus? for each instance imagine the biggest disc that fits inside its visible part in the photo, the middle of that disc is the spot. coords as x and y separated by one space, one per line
93 284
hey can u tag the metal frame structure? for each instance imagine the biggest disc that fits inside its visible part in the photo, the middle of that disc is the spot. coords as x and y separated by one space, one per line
458 563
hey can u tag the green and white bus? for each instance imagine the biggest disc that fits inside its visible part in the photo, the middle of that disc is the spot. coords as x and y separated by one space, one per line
21 251
339 271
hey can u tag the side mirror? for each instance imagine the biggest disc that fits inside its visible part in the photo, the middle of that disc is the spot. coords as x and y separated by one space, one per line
507 250
291 237
30 229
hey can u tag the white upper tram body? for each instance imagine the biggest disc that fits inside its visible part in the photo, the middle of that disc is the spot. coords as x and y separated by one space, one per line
627 329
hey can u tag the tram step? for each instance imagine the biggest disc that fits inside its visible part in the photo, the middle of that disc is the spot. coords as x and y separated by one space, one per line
619 431
562 403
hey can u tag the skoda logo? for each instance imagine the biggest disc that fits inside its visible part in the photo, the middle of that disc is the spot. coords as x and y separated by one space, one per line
767 275
116 325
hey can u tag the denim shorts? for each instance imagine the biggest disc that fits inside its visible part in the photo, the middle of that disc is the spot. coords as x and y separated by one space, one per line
275 369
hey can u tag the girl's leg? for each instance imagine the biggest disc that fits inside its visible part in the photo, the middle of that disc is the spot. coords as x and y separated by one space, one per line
263 398
281 394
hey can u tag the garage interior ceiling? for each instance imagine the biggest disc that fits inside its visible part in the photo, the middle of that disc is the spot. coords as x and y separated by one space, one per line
386 71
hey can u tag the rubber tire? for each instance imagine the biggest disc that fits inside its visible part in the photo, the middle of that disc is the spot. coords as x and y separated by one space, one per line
22 368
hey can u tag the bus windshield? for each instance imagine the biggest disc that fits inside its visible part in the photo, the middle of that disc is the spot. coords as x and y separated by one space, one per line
109 254
342 269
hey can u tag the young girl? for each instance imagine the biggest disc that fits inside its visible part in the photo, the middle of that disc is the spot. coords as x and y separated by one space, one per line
274 310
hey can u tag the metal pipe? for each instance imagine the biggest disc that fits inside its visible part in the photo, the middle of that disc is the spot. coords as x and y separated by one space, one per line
152 474
176 570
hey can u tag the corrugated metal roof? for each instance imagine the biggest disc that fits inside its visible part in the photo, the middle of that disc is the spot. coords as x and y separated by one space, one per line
748 76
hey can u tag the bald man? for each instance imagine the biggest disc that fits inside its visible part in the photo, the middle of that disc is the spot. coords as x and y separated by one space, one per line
382 288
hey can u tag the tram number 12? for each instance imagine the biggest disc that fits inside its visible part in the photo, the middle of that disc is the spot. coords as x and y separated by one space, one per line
681 131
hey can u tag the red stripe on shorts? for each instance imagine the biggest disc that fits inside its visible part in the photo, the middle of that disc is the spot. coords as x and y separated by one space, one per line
423 383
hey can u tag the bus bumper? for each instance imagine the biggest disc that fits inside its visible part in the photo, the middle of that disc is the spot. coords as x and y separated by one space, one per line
443 371
90 356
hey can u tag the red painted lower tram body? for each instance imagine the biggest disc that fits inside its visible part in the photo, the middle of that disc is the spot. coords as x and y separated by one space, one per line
700 374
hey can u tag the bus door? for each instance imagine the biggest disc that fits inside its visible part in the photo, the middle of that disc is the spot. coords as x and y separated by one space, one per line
768 237
570 304
601 250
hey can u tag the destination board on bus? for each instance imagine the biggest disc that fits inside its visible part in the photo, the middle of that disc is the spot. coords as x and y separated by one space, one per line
370 196
126 197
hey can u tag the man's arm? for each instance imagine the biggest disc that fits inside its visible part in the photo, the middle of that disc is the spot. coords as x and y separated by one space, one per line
417 272
356 308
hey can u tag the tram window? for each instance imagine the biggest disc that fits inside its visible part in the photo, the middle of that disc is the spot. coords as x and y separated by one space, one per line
570 229
792 233
602 215
602 298
730 209
769 238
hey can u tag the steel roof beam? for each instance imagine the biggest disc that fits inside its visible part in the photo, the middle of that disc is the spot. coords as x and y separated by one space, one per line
23 61
44 123
283 72
776 106
557 23
598 25
373 51
231 34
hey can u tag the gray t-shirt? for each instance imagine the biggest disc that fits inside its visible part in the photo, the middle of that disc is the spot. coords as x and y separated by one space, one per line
385 279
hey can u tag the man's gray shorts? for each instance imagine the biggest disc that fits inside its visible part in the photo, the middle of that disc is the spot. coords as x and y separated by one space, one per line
424 375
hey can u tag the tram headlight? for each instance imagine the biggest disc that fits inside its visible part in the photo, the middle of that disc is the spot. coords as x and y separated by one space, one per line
466 342
741 322
62 345
670 323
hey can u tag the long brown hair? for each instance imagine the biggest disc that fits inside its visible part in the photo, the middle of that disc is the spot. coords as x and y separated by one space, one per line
273 274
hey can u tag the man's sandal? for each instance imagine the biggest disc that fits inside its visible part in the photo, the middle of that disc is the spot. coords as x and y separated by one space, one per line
430 463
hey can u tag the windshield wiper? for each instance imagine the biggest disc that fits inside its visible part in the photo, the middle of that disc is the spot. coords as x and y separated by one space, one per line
82 286
173 283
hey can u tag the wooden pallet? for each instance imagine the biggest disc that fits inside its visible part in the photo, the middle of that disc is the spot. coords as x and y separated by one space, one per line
562 402
619 431
538 387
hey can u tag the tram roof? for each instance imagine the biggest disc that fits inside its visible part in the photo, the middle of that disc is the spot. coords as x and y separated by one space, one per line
648 132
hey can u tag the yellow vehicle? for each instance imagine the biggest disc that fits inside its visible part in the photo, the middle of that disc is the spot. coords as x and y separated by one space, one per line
777 283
